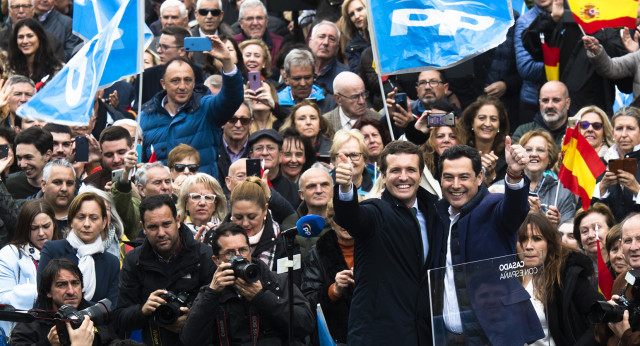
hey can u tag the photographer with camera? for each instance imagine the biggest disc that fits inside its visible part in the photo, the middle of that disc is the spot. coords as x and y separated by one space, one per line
245 301
60 290
159 277
626 331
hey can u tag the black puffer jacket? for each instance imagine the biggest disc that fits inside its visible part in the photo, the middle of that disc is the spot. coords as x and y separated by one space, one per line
142 273
270 305
321 265
567 311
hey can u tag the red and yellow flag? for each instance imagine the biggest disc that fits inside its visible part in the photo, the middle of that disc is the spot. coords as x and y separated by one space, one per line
605 280
551 57
593 15
581 165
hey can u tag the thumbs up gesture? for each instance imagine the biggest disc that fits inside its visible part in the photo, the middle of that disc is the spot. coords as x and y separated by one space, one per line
344 173
516 156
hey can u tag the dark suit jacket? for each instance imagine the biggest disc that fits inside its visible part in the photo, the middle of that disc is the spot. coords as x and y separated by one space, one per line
107 267
390 303
487 228
334 117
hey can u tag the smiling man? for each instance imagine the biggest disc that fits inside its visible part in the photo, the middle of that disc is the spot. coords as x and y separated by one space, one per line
477 225
33 151
554 104
187 113
393 236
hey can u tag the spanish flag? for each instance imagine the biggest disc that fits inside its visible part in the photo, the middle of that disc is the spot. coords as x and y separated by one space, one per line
593 15
581 165
551 57
605 280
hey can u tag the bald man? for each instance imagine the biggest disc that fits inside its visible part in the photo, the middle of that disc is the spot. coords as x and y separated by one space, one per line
554 104
351 97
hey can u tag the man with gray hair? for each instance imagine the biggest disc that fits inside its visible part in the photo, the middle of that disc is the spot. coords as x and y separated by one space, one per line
351 97
324 43
150 179
21 89
209 15
253 20
172 13
299 78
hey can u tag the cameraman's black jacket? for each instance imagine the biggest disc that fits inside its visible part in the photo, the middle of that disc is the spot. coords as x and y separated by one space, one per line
143 272
35 333
270 306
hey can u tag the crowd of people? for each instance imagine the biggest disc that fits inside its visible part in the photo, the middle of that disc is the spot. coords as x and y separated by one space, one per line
178 214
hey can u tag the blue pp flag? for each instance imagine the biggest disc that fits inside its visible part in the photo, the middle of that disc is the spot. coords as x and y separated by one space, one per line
125 59
68 98
418 35
324 335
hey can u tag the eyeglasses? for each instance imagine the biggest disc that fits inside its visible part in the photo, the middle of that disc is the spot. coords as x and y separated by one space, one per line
165 47
355 98
196 197
20 7
243 121
243 251
180 167
214 11
353 156
432 83
585 125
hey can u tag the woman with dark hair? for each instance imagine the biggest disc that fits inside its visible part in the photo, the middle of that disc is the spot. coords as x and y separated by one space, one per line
88 219
7 137
590 226
616 264
486 125
306 117
214 66
30 53
376 136
562 295
19 258
297 154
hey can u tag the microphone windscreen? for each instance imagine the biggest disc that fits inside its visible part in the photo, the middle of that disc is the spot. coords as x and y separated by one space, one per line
310 226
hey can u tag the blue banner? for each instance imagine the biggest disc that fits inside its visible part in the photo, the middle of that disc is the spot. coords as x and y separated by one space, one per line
417 35
68 98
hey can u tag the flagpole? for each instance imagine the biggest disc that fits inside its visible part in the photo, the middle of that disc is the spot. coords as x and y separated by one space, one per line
140 67
557 192
378 67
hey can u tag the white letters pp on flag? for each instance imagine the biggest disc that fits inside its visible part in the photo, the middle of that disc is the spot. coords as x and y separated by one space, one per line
68 98
416 35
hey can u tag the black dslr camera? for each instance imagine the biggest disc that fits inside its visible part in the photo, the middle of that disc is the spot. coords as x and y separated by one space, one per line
243 269
168 313
98 313
603 312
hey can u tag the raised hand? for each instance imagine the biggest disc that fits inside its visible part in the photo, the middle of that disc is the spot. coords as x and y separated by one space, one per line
344 173
591 44
631 44
220 52
516 156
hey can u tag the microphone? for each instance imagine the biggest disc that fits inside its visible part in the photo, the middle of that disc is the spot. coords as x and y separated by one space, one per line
308 226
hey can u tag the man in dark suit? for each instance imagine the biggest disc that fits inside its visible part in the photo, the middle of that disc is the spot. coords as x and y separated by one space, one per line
393 235
477 225
209 15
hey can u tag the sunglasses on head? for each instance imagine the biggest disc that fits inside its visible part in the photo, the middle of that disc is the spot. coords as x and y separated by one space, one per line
180 167
585 125
243 121
214 11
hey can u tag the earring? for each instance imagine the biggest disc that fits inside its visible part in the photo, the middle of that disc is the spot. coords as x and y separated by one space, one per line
472 129
265 219
498 131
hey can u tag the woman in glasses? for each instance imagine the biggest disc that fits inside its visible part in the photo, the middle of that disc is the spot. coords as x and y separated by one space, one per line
486 125
594 125
543 154
351 144
618 189
183 161
201 203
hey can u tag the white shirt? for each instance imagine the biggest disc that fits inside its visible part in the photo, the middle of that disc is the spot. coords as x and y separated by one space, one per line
346 122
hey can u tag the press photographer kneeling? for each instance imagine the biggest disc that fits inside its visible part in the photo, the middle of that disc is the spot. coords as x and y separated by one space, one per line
246 302
61 286
626 331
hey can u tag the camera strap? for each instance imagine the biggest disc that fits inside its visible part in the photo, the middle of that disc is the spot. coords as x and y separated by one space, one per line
154 329
254 320
221 320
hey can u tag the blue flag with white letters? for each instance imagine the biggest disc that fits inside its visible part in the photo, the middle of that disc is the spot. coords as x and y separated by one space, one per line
418 35
68 97
90 16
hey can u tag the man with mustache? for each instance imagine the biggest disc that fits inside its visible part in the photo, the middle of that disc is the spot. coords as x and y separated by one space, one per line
554 104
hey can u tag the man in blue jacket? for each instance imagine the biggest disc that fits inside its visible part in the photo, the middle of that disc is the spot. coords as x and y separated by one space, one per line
188 113
477 225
